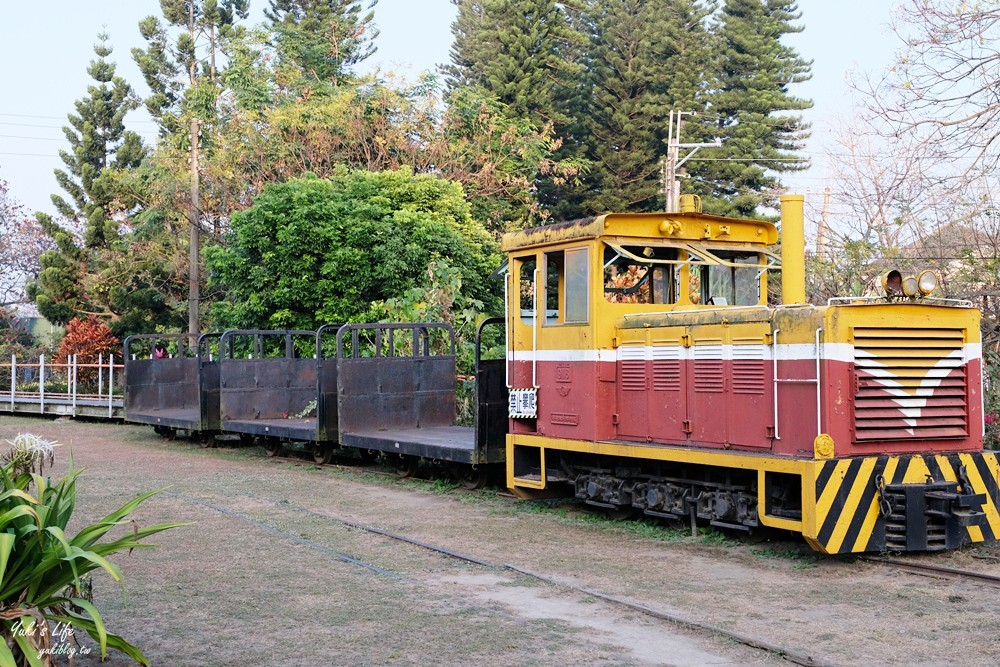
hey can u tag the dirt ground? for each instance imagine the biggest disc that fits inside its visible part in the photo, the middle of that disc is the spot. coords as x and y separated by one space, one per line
261 577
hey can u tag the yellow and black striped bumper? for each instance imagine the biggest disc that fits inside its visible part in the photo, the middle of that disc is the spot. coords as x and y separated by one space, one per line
903 502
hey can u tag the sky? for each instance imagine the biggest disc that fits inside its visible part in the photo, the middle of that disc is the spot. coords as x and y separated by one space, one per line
46 62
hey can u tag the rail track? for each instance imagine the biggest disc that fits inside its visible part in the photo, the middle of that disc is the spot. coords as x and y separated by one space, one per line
295 457
788 654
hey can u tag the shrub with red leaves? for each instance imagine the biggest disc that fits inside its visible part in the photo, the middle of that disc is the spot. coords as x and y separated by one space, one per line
89 339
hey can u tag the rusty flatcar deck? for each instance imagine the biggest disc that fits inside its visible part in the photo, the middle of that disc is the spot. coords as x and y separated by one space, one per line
293 429
186 418
444 443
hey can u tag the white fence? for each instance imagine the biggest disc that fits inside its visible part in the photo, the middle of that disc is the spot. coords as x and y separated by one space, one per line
69 387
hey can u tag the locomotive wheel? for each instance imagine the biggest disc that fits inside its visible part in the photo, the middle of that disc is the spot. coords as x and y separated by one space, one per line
407 466
272 448
623 513
323 454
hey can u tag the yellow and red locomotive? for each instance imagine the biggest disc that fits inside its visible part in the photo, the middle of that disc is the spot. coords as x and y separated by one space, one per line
647 372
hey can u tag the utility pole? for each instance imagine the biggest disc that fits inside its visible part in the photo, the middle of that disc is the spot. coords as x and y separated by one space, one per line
673 161
824 225
194 250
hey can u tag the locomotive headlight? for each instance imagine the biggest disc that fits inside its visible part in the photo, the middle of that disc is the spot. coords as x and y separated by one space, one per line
927 282
892 282
911 286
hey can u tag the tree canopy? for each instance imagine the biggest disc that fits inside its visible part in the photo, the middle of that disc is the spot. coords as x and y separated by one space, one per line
315 251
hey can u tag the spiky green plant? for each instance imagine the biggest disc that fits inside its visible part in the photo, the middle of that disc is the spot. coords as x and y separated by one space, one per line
43 572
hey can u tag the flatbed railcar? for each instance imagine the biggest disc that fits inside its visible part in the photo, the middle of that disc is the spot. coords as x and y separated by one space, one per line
173 391
646 373
374 388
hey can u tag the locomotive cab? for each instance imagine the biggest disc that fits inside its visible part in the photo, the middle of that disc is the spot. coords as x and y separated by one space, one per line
646 372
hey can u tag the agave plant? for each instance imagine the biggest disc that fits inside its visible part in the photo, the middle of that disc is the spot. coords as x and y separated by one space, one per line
43 572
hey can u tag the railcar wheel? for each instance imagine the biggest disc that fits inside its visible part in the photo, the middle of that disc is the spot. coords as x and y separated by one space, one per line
323 454
474 477
171 434
368 455
272 448
206 440
161 431
407 466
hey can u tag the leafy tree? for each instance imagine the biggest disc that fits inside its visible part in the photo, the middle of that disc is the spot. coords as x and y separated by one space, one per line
90 340
320 40
23 242
498 158
185 84
377 125
183 79
748 106
317 251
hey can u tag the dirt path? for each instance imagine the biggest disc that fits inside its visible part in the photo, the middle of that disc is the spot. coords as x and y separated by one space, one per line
261 578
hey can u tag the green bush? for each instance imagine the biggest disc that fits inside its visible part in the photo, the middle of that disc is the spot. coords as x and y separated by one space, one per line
55 387
315 251
43 572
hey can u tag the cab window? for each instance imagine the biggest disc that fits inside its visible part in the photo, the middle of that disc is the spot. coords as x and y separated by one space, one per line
735 284
636 277
567 279
526 290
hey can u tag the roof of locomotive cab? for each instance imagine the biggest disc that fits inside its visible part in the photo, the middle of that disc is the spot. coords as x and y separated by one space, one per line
647 226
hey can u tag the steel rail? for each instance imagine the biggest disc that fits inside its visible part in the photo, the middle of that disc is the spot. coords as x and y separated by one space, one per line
930 570
291 536
788 654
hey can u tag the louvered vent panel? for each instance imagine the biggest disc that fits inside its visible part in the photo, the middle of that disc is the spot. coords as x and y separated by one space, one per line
632 359
749 367
667 367
709 369
911 384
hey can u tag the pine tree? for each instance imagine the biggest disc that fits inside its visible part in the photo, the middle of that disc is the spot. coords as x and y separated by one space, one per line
759 141
100 147
183 78
98 141
646 57
517 50
322 39
527 56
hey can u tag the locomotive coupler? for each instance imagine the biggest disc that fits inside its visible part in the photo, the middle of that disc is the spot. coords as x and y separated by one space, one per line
929 515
